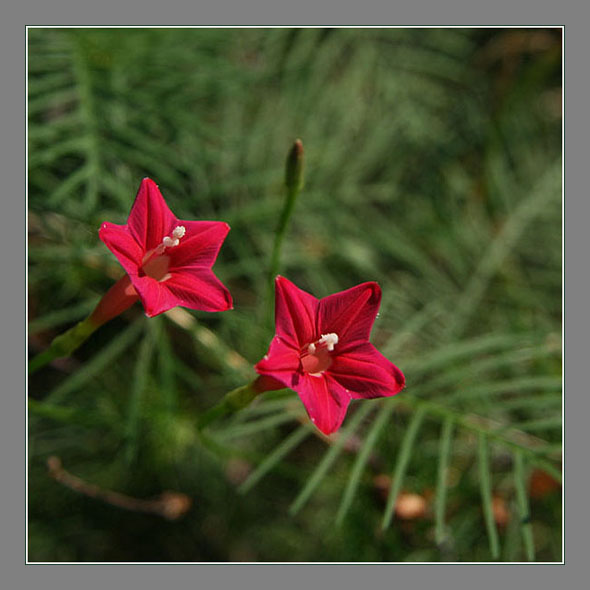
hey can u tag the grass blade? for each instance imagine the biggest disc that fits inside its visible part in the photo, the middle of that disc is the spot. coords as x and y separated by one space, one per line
451 352
401 465
166 365
485 485
62 316
255 426
546 189
441 486
362 459
140 378
97 363
288 444
329 458
523 507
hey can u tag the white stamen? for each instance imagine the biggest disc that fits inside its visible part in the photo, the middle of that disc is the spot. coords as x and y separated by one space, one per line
311 348
169 242
329 340
179 231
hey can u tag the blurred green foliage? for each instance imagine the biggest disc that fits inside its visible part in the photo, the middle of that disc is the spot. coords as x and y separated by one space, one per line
433 166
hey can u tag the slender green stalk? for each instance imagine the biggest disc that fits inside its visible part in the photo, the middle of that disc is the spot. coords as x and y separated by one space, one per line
117 299
363 458
233 401
441 486
485 485
293 184
96 364
140 380
64 344
401 465
65 415
57 318
328 459
523 506
285 447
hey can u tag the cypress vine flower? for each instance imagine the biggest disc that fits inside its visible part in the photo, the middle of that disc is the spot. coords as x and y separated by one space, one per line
321 350
168 261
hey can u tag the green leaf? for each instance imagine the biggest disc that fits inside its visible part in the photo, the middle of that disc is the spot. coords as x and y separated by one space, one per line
166 364
329 457
282 450
523 507
140 380
363 457
254 427
485 486
95 365
62 316
442 485
548 187
401 465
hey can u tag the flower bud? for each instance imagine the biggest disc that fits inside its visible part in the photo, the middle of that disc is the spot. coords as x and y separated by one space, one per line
294 167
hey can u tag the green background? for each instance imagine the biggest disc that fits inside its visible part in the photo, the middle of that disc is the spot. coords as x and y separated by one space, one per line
433 166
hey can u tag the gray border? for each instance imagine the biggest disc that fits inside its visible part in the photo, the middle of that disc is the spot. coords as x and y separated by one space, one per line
346 12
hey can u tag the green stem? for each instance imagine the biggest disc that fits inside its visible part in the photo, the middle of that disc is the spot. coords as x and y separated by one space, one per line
64 344
233 401
293 184
116 300
280 233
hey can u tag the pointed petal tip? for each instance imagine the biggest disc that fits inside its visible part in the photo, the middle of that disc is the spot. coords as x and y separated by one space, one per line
280 282
229 307
226 228
229 301
325 429
401 380
375 288
103 226
150 312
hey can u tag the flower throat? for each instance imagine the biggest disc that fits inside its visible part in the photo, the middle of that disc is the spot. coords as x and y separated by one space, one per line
316 358
155 264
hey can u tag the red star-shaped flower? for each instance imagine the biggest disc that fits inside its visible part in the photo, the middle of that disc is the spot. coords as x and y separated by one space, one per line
321 350
168 260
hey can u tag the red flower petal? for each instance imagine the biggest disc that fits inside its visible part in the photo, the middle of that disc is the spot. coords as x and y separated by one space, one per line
350 313
366 373
280 362
200 244
120 242
295 314
202 290
198 289
154 296
150 219
325 400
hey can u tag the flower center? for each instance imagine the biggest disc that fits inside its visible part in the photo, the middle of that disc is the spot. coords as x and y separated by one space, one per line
154 264
173 240
316 358
156 268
